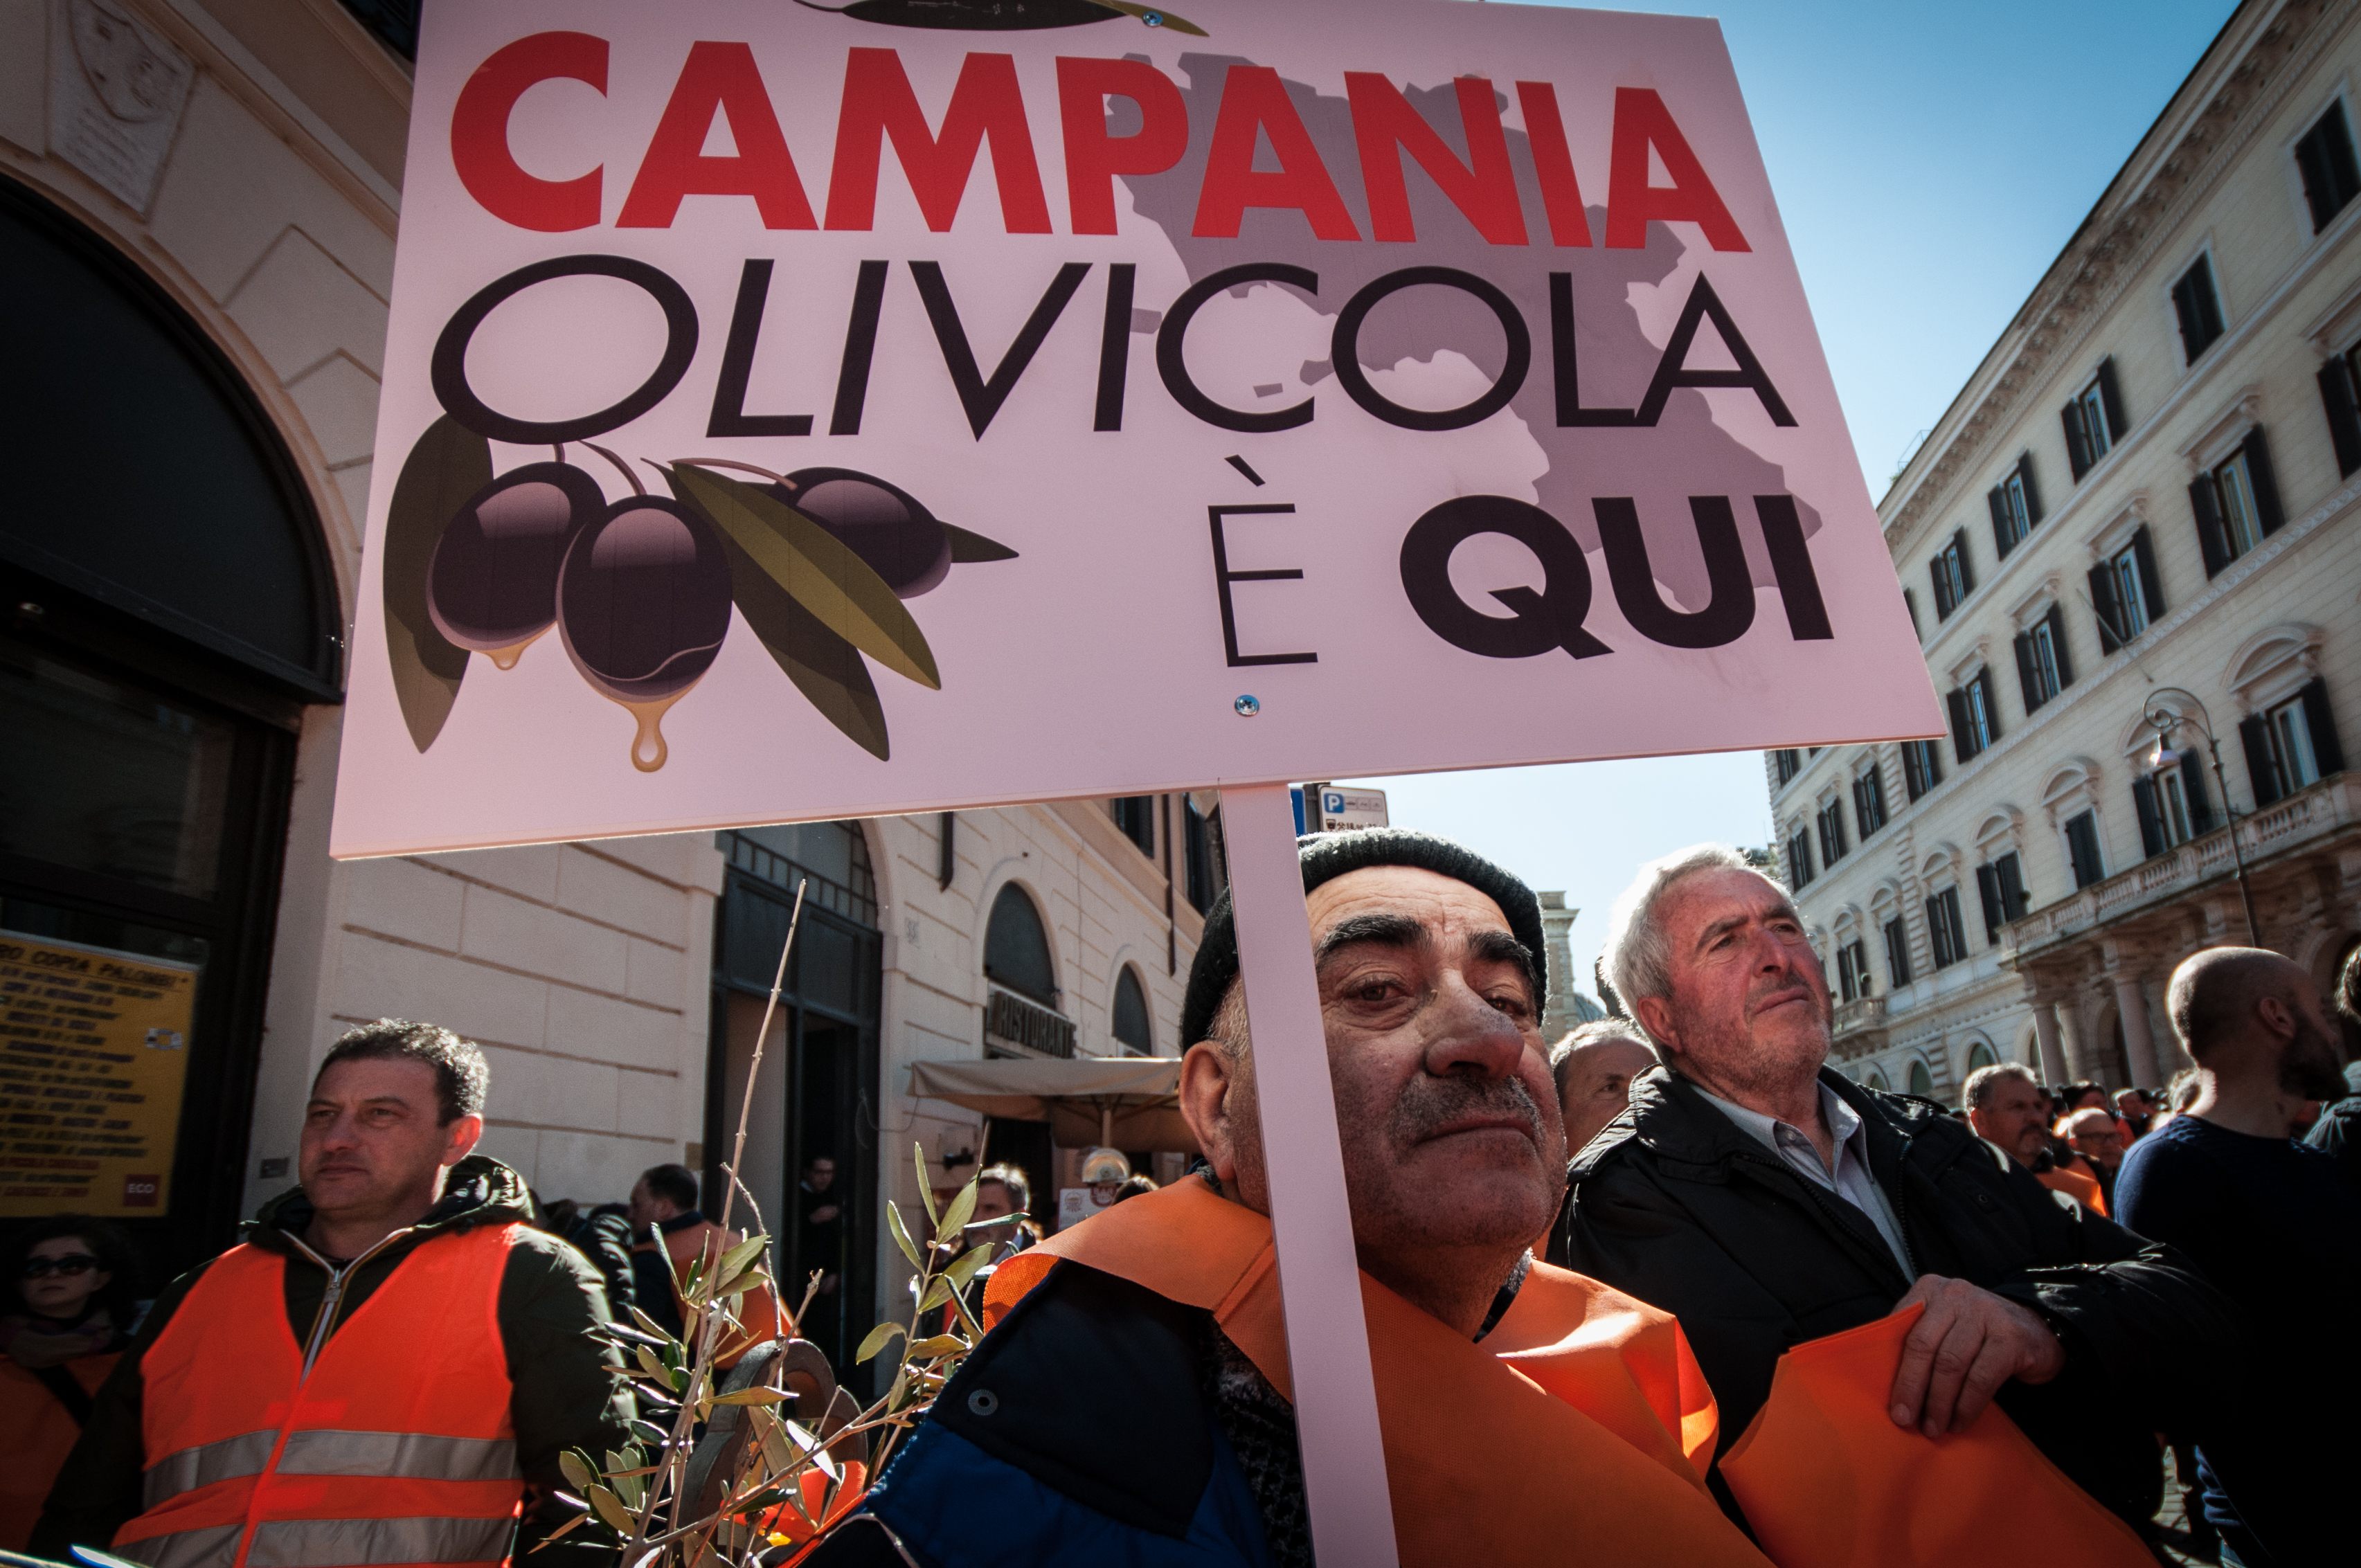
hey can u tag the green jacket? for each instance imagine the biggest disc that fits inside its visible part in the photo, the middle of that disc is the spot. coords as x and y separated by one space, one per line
568 1390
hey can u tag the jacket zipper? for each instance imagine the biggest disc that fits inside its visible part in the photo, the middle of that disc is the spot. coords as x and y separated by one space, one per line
324 1321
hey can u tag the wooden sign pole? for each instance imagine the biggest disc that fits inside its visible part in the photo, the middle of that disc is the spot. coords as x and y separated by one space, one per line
1320 1282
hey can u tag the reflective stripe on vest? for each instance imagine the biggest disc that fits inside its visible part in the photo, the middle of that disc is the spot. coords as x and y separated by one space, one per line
373 1454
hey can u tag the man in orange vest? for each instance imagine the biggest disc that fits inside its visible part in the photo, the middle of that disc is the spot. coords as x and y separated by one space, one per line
1131 1404
671 1232
2008 1109
381 1372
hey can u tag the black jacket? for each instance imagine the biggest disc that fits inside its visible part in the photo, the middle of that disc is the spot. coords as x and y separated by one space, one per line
567 1387
1678 1205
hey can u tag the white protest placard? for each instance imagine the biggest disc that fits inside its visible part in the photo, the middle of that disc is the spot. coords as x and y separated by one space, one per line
795 412
1085 400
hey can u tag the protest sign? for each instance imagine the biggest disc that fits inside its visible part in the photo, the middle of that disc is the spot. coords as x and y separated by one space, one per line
813 411
1054 399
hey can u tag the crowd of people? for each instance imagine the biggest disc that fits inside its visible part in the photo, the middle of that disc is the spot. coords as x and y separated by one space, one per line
1672 1290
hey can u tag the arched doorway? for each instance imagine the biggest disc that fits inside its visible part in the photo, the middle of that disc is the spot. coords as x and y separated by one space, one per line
166 612
1133 1028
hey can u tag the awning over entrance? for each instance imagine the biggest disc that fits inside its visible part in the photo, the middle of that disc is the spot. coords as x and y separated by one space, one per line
1124 1102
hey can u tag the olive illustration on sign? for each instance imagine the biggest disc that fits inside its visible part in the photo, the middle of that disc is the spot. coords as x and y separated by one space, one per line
492 585
892 532
643 606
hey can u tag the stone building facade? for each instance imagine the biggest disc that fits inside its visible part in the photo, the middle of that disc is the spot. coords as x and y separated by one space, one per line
2141 507
198 206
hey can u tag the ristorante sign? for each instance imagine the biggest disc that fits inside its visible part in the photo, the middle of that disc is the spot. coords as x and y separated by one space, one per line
799 411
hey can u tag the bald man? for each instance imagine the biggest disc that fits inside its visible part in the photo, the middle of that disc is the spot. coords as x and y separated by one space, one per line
2277 1227
1594 1066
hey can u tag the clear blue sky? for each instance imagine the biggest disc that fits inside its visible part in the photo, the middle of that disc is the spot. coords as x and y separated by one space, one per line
1930 161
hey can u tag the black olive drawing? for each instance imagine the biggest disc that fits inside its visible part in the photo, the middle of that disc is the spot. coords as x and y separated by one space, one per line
643 606
1003 16
491 586
895 535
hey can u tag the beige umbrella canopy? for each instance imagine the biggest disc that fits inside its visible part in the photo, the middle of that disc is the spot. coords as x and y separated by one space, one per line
1124 1102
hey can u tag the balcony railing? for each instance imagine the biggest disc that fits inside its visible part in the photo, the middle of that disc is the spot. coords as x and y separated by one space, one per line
1853 1017
2310 814
1016 1020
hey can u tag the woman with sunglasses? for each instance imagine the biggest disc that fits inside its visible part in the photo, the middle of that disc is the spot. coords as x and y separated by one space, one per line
66 1309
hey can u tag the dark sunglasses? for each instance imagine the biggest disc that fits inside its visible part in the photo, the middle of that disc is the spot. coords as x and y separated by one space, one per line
71 1263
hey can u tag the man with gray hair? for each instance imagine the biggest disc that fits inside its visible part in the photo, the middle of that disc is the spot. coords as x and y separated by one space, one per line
1766 1200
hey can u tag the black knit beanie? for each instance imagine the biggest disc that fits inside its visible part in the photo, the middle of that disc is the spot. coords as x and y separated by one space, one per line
1327 856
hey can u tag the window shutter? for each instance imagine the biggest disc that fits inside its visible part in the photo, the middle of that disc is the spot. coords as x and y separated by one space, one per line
2255 734
2325 749
2344 416
2184 305
2193 791
2151 580
2312 161
2210 542
2110 397
1992 704
2078 444
2010 872
1964 744
2058 647
2102 604
2025 677
1944 602
2151 820
2082 848
2003 535
2032 491
2267 486
1910 603
1935 937
1967 573
1988 894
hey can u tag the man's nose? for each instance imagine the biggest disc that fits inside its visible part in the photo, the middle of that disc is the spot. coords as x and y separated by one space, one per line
1468 1035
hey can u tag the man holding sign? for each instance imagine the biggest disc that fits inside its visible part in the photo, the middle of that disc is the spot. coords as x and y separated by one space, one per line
1136 1383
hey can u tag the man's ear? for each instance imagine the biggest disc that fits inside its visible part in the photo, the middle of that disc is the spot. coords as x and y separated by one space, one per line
1655 1015
1207 1076
2279 1015
461 1140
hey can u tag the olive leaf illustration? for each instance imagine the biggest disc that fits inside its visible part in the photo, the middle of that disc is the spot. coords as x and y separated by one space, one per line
447 467
826 668
841 591
968 547
1155 16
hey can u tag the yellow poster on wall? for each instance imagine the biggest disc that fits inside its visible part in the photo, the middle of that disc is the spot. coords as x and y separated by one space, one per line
93 1055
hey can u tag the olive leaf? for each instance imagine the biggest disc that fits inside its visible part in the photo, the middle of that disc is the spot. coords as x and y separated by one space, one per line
828 670
956 1213
610 1509
577 1471
925 1188
902 1235
447 467
968 546
822 573
879 1338
1155 16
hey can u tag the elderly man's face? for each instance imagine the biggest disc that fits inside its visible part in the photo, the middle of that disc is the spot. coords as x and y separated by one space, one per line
1749 1009
1598 1085
1450 1124
2015 1116
2096 1137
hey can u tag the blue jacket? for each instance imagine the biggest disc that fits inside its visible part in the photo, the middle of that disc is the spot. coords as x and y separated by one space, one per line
1079 1432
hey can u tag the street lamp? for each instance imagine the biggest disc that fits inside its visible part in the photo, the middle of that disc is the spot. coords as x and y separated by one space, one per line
2164 720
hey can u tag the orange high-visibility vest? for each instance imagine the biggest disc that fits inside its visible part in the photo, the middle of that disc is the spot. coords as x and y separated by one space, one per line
1829 1481
2081 1187
1576 1432
394 1447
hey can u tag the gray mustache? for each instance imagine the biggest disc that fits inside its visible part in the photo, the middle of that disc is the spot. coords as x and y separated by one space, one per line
1434 1102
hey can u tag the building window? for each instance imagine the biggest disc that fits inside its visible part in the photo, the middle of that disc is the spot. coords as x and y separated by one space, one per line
2236 502
2291 745
1975 718
2198 308
1787 762
1945 929
1131 1027
1016 948
1910 603
1197 855
1952 578
1868 799
1852 971
1922 1082
2000 887
1833 845
1922 767
2324 157
2094 420
2016 507
1800 870
1136 815
2043 669
1897 952
1980 1055
2082 850
2173 806
2340 393
2126 594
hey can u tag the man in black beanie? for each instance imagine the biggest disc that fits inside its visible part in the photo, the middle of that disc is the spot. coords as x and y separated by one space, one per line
1135 1383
